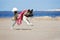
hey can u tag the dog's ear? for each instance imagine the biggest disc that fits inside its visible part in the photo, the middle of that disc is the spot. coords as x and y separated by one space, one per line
31 11
28 10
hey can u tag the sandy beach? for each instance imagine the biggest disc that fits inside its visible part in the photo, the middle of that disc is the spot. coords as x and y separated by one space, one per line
44 28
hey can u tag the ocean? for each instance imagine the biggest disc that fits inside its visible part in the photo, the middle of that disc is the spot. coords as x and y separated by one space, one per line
35 13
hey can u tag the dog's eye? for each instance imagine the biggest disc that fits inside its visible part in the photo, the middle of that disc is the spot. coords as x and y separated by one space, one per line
15 12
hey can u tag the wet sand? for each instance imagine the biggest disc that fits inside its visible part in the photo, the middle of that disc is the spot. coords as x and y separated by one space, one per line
43 29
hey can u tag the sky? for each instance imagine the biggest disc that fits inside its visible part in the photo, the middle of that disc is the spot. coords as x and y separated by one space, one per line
8 5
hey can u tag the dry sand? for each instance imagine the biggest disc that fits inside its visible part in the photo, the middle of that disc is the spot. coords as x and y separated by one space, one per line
43 29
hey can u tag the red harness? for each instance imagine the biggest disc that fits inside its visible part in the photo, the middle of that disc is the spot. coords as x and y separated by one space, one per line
20 17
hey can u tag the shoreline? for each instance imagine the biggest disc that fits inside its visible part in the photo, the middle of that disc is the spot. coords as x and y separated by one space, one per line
38 18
